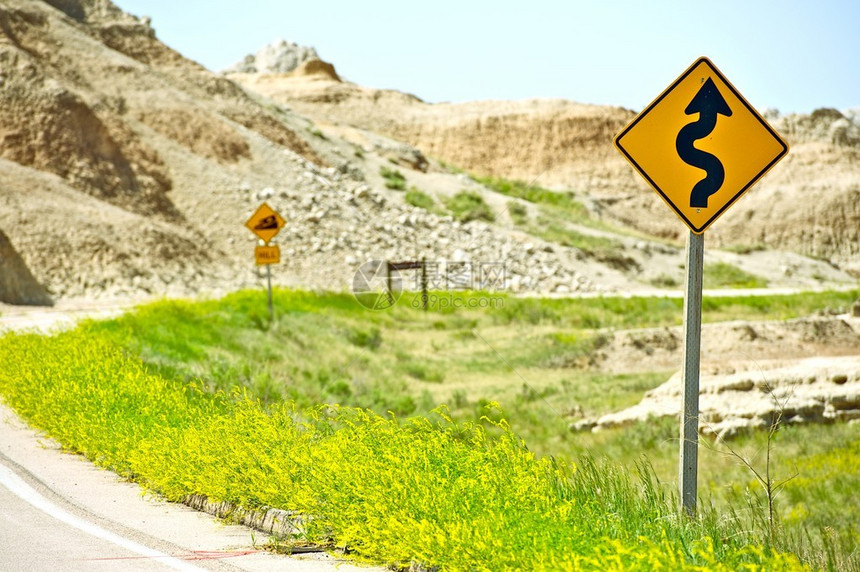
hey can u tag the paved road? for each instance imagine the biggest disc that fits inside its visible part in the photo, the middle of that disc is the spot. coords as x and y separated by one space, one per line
39 535
59 512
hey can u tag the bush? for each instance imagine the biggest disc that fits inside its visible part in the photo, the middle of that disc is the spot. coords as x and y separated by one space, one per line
316 132
394 179
370 339
530 193
420 199
466 206
664 281
746 248
518 211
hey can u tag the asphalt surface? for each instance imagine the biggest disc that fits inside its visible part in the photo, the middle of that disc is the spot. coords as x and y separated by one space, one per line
54 539
59 512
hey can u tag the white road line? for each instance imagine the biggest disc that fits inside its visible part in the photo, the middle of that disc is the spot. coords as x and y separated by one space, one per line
21 489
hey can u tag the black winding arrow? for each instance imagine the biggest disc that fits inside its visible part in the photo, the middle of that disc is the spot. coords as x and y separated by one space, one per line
708 103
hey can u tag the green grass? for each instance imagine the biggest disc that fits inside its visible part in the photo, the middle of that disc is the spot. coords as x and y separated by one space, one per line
559 214
723 275
531 193
394 179
604 249
553 231
644 312
816 511
325 349
467 206
328 348
558 209
427 490
745 248
420 199
173 376
518 212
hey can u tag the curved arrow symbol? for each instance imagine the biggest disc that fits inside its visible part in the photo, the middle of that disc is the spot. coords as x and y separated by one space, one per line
708 103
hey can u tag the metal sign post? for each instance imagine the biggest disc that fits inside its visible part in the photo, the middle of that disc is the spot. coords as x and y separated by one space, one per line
424 296
269 282
689 450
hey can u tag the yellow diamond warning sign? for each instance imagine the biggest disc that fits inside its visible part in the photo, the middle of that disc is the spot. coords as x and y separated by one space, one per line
700 145
265 223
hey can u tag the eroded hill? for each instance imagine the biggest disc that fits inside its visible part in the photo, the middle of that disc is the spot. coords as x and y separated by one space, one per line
129 170
808 203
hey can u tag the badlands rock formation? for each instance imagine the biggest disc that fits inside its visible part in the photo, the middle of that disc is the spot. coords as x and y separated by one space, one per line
807 204
804 370
128 169
813 390
278 57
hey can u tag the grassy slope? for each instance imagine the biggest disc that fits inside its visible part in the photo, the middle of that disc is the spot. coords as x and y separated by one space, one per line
427 490
328 349
558 209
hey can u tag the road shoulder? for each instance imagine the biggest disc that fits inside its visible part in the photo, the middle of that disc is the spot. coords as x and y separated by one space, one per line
103 498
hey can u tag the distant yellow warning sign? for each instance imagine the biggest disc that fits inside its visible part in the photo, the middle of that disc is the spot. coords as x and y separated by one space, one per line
265 223
700 145
267 255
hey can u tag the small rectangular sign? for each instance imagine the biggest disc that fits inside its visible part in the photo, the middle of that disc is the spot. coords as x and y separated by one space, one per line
405 265
267 255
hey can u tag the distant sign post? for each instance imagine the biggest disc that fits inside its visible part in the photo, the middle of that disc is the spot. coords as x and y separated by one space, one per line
266 224
700 146
410 265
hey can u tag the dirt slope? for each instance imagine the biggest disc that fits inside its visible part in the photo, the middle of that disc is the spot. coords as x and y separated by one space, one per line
129 169
17 285
94 114
807 204
560 142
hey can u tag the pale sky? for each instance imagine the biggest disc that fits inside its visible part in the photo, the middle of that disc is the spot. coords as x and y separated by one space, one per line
794 56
